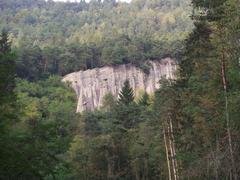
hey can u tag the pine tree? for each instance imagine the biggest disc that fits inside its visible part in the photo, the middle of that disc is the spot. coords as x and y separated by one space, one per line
7 76
144 101
206 93
166 106
7 107
5 45
126 95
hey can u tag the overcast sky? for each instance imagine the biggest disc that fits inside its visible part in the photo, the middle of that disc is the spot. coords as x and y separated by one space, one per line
89 0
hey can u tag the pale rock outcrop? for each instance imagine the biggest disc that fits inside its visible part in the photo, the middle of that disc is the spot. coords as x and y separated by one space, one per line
92 85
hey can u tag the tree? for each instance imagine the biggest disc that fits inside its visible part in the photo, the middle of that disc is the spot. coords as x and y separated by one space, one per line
58 38
167 112
7 80
8 111
33 145
7 70
144 101
126 95
205 80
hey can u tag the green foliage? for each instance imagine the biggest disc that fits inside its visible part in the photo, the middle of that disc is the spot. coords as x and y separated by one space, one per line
7 105
208 59
144 101
115 143
43 138
7 72
108 102
59 38
46 122
126 95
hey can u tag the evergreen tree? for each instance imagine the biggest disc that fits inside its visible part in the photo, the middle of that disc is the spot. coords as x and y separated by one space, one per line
7 70
144 101
206 75
167 113
7 79
126 95
5 44
8 112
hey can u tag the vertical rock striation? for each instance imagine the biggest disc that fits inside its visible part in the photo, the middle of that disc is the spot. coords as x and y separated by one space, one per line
92 85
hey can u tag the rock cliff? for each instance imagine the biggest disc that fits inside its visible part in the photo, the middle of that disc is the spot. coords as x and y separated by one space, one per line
92 85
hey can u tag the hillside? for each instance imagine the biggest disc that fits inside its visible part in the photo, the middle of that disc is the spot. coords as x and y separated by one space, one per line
131 123
59 38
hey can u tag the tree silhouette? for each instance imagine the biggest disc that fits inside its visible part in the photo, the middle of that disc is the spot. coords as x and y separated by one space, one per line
126 95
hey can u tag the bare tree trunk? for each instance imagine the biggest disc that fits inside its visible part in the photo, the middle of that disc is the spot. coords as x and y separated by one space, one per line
145 168
172 154
167 155
224 81
136 169
173 149
217 159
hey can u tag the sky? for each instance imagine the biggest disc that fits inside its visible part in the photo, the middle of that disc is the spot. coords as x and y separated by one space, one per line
89 0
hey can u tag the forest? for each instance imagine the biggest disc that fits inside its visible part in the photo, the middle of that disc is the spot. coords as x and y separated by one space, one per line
188 129
59 38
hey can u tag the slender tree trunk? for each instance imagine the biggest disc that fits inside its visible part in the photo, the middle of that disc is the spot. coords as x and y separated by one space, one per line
217 159
145 168
224 81
173 149
136 169
167 155
137 175
171 152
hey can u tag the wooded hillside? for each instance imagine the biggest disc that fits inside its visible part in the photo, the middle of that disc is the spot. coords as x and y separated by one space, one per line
188 129
59 38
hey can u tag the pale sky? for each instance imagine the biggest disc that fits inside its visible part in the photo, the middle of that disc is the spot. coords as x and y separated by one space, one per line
89 0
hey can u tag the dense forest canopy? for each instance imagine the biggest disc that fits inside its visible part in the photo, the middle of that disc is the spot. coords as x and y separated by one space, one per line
188 129
58 38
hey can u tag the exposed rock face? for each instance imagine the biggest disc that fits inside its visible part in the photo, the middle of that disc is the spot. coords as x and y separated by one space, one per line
92 85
